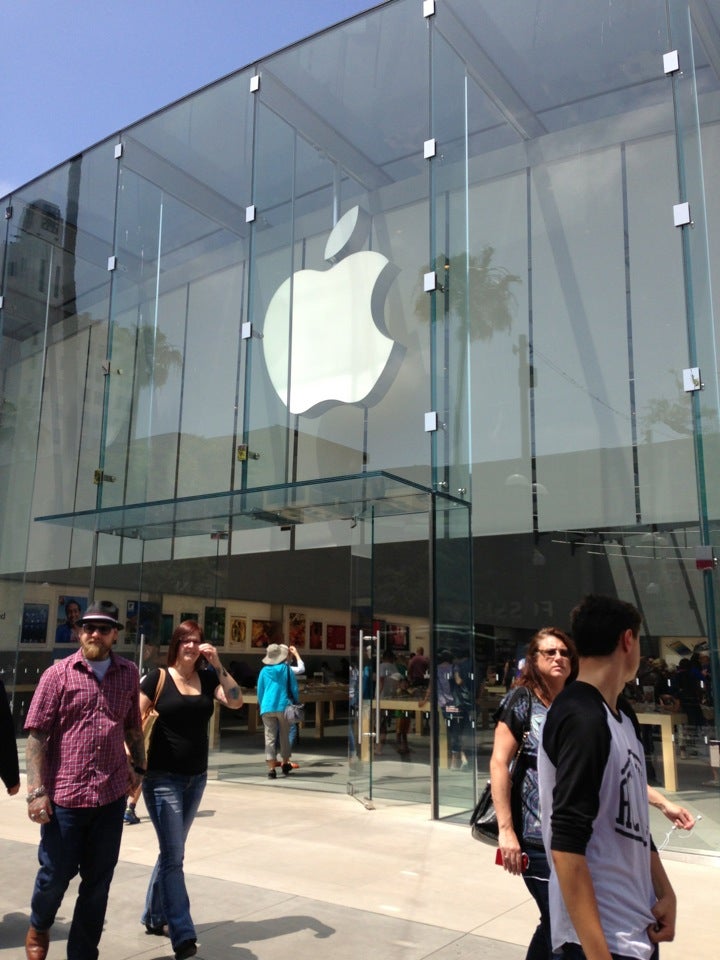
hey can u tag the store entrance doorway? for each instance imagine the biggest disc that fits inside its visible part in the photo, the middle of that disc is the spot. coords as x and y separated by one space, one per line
333 567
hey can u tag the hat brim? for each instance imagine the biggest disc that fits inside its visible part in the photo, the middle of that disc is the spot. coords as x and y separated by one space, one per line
99 619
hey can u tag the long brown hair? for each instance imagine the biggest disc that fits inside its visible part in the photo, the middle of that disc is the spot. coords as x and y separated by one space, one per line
530 676
181 631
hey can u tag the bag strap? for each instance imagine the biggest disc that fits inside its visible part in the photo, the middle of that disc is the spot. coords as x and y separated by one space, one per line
528 722
291 698
158 689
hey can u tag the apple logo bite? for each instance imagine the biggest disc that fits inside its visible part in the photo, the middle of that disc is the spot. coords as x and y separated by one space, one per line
331 322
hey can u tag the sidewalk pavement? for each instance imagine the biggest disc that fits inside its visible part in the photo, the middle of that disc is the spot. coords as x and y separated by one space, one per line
274 872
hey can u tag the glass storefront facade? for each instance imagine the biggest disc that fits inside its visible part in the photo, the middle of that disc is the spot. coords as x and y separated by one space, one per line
406 331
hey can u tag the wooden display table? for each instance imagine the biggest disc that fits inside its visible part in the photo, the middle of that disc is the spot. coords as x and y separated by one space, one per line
320 695
665 721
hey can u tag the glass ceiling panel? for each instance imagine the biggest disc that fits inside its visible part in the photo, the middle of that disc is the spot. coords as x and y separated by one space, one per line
342 498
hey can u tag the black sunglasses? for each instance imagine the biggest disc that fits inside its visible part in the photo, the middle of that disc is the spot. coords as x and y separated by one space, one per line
101 628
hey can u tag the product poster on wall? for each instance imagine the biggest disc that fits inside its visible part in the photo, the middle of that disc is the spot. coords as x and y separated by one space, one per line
35 622
215 626
265 632
142 615
336 636
69 612
398 636
238 631
297 625
166 629
316 634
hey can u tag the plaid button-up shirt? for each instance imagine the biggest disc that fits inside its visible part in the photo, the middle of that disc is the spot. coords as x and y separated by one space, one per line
86 720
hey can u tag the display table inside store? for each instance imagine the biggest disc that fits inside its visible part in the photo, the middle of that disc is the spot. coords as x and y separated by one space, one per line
319 694
665 721
406 705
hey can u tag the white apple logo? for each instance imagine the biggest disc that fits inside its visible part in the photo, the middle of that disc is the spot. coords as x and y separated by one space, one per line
331 324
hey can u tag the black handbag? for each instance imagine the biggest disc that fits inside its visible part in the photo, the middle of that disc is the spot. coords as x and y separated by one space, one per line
483 820
294 712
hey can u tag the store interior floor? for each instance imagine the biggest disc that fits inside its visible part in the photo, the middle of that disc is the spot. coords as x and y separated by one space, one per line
323 766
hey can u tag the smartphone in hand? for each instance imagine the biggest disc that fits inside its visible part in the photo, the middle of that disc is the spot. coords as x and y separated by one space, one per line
499 859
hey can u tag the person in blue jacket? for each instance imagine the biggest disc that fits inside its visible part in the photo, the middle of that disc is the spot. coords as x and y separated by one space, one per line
276 688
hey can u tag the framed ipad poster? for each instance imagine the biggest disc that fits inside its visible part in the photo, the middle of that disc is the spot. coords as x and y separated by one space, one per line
35 623
238 631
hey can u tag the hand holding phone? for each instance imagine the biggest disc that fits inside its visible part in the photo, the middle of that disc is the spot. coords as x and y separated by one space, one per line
525 862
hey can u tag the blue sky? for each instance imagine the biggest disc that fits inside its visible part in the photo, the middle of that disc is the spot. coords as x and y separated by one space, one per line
73 72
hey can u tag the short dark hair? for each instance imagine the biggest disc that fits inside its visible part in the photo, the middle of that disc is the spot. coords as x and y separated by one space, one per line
182 630
597 623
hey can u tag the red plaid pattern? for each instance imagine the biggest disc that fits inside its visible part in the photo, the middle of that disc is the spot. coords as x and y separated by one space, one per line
86 722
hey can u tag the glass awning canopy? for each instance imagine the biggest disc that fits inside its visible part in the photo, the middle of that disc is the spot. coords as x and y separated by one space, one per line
282 505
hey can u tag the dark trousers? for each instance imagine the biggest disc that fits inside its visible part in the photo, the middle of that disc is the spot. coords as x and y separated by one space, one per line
83 840
536 880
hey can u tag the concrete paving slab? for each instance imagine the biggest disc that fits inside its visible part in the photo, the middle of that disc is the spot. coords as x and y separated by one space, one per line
273 873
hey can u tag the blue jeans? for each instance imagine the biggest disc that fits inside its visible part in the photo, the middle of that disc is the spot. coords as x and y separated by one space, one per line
84 840
536 880
172 800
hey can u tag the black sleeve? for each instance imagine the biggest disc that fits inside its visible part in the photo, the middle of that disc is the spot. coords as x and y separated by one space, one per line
577 741
9 766
513 711
149 683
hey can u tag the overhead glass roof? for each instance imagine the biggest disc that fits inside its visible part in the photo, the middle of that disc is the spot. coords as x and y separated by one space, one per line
338 498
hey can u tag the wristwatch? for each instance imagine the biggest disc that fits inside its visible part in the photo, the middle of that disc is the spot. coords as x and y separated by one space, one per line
36 794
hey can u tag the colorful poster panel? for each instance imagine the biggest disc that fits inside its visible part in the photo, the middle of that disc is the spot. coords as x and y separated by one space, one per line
265 632
316 635
297 628
398 637
69 613
238 631
336 636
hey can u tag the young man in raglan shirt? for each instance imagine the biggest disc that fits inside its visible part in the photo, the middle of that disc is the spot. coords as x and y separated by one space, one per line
609 894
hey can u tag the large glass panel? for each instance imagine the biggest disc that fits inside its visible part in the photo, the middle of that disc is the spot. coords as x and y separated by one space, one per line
339 253
54 332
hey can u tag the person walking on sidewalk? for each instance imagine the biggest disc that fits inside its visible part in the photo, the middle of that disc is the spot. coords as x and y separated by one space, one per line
9 764
177 771
84 712
550 663
609 894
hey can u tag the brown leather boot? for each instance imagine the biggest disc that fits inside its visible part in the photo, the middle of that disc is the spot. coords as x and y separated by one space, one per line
36 943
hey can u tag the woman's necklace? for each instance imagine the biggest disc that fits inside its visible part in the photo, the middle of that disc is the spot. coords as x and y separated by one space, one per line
185 681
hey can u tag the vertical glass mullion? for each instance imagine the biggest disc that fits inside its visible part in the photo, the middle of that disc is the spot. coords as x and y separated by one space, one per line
702 343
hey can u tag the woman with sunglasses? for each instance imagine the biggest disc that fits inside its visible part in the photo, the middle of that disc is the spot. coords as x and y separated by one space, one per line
551 662
177 771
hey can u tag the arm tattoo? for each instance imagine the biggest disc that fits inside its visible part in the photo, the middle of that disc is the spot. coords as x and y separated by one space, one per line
35 753
136 745
234 693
